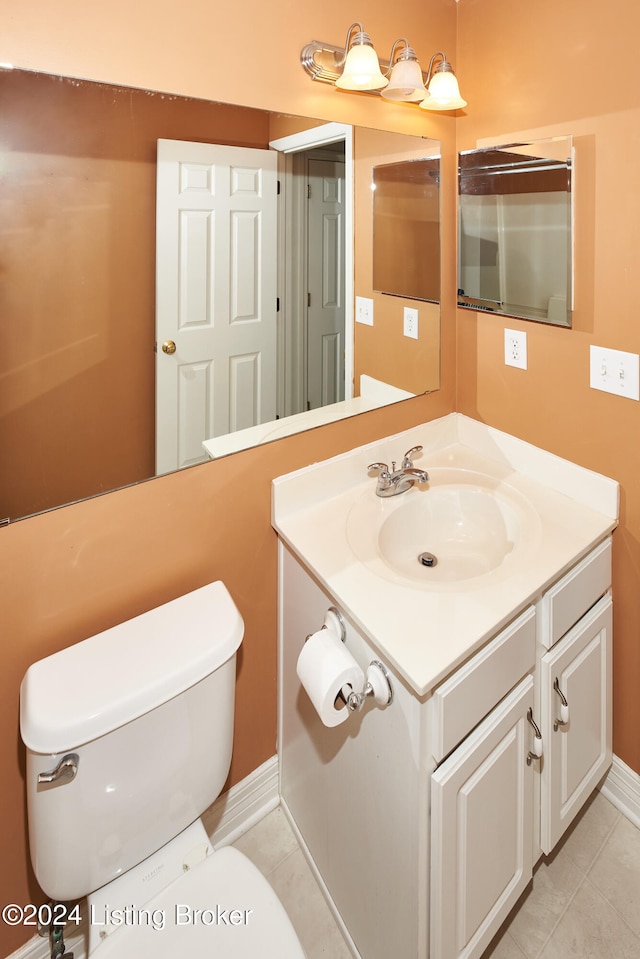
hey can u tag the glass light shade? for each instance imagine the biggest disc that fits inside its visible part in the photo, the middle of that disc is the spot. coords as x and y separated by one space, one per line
406 82
444 93
362 70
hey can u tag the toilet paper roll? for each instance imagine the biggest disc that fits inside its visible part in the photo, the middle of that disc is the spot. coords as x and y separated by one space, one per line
324 668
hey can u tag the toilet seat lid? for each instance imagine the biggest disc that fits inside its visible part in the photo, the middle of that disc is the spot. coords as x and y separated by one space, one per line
224 907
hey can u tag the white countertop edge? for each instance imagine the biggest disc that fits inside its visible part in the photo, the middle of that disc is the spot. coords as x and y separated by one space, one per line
300 489
477 617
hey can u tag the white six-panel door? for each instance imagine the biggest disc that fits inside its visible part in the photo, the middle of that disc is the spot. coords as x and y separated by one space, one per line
326 278
215 295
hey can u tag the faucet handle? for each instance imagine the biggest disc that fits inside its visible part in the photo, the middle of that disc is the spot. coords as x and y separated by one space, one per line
384 476
407 462
380 468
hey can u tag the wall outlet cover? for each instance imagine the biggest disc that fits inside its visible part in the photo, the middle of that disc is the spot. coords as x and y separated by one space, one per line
515 348
411 322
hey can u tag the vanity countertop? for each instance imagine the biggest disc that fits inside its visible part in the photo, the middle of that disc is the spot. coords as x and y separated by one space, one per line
426 631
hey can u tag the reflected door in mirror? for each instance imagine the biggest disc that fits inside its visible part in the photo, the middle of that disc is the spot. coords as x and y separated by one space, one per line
216 295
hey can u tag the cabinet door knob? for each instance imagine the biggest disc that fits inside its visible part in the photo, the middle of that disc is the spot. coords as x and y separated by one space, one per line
564 708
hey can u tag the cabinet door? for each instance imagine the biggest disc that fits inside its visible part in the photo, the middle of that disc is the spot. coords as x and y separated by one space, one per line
578 753
481 829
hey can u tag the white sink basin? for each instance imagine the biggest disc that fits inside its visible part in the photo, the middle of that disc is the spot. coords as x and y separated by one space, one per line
463 525
503 518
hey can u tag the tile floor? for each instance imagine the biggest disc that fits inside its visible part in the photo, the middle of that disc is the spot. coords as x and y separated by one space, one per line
584 902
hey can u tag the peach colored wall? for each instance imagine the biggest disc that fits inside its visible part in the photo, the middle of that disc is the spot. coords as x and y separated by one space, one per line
73 571
537 69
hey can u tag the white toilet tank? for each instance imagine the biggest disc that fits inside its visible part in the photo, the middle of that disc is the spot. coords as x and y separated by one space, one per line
145 711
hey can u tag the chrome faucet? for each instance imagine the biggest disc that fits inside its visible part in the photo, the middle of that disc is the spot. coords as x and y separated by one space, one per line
392 482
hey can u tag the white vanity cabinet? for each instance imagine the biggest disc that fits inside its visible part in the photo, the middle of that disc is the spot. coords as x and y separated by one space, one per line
423 819
481 829
358 793
482 793
492 795
574 680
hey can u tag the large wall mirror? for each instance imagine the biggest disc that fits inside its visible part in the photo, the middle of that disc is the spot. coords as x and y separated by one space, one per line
515 238
78 188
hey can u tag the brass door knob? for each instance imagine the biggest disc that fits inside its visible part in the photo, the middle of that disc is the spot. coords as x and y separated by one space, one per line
168 347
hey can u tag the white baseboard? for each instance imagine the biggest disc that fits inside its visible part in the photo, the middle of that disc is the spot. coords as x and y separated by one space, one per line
243 805
622 788
38 948
226 820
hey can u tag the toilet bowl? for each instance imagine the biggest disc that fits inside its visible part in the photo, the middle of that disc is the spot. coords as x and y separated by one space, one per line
128 738
220 906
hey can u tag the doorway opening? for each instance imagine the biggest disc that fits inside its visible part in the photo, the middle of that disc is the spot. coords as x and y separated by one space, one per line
315 321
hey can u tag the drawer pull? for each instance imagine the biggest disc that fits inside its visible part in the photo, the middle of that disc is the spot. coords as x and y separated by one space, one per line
536 752
564 708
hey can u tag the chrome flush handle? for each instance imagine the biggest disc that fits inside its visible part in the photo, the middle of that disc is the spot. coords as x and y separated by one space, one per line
63 773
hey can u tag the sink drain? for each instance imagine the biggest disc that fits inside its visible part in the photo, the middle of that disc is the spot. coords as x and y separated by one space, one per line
428 559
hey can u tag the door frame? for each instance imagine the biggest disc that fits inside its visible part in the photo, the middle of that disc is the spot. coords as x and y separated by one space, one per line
292 268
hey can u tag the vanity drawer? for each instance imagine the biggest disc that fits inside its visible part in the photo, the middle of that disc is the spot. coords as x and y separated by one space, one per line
464 699
562 606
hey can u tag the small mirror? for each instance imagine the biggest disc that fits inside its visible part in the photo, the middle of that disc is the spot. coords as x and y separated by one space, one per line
515 230
406 229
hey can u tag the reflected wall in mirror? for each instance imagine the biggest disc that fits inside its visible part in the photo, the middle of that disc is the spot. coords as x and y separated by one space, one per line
515 237
406 228
78 276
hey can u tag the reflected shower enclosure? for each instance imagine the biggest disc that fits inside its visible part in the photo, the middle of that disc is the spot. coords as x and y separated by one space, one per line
515 237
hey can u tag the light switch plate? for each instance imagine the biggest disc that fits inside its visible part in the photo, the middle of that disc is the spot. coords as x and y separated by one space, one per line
364 310
615 371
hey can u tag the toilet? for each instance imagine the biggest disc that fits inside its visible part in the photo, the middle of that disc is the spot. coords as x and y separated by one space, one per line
128 738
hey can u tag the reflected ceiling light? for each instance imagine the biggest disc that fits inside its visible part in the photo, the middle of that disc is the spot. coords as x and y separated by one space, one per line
443 92
355 67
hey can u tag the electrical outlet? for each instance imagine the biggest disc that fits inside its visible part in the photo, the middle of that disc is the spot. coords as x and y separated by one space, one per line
614 371
364 310
411 322
515 348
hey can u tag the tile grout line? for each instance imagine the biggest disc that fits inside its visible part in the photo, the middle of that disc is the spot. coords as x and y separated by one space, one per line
560 917
584 878
602 896
288 856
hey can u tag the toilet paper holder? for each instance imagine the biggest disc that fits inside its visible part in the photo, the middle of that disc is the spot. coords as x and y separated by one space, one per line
377 683
378 687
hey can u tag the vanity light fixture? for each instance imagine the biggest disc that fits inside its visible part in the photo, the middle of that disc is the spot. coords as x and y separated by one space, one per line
406 82
361 70
443 89
356 68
